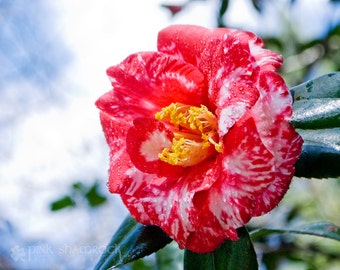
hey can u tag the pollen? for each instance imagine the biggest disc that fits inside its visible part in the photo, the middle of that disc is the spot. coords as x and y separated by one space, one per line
195 134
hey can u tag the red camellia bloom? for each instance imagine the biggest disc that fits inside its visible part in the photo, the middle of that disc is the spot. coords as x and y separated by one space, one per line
199 135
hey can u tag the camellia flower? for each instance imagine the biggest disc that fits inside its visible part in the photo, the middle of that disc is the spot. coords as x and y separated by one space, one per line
199 134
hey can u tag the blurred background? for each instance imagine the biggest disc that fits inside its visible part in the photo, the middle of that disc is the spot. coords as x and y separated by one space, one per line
55 210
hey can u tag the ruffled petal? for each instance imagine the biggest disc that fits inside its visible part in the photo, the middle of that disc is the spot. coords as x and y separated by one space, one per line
247 170
267 60
142 84
169 205
247 163
271 114
145 140
225 59
115 131
244 171
188 41
152 80
216 52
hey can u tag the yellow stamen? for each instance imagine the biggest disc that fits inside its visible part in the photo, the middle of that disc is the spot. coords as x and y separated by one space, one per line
196 136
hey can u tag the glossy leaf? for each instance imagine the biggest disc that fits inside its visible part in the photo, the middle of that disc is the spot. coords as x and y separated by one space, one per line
316 115
317 103
318 160
323 229
326 86
131 242
326 137
231 255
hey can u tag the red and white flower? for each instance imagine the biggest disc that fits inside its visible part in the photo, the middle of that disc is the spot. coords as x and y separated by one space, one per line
199 133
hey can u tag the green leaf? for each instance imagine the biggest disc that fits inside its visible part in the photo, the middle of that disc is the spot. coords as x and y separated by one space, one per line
318 160
323 229
94 198
317 103
62 203
316 115
327 137
231 255
326 86
131 242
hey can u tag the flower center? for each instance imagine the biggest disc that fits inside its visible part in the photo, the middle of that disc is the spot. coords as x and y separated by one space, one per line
195 134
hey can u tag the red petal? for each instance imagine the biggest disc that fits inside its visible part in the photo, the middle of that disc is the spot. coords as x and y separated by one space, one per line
115 132
207 49
226 62
235 101
247 171
145 140
169 205
265 59
187 41
225 56
248 164
152 80
271 114
143 83
286 156
230 202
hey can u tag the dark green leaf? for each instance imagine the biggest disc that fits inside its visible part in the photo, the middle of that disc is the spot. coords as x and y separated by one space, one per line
231 255
316 115
323 229
318 160
326 86
131 242
62 203
93 196
327 137
317 103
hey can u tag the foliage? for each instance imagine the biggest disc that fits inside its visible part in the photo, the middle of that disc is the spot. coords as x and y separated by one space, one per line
316 115
80 192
